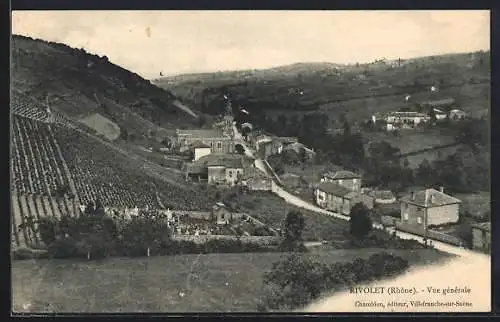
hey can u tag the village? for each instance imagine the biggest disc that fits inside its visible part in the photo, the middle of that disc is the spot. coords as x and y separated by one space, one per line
271 182
222 156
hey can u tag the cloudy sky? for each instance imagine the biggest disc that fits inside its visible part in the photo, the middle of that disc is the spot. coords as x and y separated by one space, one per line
175 42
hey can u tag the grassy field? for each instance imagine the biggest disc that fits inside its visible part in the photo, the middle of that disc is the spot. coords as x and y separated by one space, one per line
272 210
185 283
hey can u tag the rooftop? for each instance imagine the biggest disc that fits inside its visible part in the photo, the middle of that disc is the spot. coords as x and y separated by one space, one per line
342 174
430 198
333 189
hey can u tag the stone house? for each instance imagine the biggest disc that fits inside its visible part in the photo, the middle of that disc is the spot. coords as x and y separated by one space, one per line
337 198
428 207
218 169
346 179
481 236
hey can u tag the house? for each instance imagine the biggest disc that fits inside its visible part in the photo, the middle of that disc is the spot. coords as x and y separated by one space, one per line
428 207
297 147
481 236
346 179
255 179
440 114
218 169
339 199
200 149
396 120
456 114
218 141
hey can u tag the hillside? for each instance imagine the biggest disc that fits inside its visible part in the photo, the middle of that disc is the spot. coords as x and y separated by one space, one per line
313 86
91 89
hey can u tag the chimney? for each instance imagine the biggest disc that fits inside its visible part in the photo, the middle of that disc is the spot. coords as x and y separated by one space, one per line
426 196
441 189
413 196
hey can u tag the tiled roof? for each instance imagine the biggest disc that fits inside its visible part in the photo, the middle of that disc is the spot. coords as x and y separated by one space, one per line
483 226
333 189
434 198
342 174
202 133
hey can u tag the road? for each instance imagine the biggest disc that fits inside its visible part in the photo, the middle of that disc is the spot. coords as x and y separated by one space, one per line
298 202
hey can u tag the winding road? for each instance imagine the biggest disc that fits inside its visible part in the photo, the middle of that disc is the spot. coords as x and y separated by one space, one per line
298 202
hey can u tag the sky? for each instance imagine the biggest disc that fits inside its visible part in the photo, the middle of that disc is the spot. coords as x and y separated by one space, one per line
176 42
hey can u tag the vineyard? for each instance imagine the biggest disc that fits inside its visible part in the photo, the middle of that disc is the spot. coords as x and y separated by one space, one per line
56 168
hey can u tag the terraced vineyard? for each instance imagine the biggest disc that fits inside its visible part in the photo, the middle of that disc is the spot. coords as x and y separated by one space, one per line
56 168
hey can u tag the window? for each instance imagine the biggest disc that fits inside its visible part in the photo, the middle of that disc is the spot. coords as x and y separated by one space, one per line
419 220
219 145
230 173
405 216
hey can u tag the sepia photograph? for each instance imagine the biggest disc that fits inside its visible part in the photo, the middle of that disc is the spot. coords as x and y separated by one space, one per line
250 161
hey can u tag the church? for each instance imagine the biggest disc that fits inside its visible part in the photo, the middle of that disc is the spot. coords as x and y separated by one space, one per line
220 138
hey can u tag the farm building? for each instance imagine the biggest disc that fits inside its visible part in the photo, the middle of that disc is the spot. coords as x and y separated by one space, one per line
218 169
481 236
429 207
346 179
396 120
457 114
334 197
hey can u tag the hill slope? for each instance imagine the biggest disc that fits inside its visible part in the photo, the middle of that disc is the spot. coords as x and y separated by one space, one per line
80 85
309 86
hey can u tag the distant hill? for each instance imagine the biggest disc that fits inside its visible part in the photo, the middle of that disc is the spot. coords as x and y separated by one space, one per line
84 86
308 86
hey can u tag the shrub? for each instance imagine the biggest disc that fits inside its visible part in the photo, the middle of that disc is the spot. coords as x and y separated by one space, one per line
360 223
65 247
296 280
47 228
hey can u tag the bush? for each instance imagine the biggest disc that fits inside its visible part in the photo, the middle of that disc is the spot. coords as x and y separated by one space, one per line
360 223
47 227
65 247
295 281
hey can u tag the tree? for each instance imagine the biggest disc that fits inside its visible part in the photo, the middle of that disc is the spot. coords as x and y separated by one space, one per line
239 149
303 157
293 227
360 224
124 133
